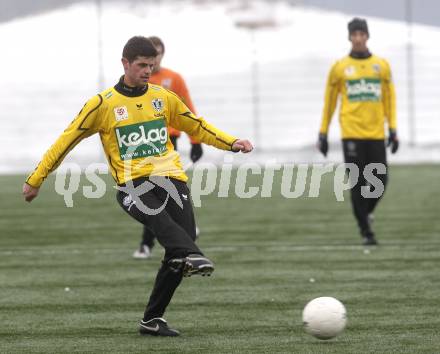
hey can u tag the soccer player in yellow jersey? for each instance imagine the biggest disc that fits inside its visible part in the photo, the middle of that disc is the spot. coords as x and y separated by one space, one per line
368 103
132 119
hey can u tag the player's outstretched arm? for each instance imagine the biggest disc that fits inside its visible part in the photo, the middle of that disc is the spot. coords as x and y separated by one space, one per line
242 145
84 125
29 192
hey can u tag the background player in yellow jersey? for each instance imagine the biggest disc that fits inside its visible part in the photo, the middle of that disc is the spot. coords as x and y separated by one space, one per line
174 82
368 103
132 119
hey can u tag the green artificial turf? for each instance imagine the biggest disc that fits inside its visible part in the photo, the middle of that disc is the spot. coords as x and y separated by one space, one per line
266 250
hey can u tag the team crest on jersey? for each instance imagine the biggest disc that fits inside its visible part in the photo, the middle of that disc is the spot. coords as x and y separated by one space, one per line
157 104
121 113
350 70
376 68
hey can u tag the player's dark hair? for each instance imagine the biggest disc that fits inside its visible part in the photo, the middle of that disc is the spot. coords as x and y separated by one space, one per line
357 24
157 42
138 46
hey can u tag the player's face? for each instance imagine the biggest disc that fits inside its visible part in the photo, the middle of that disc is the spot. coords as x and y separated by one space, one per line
358 41
137 73
158 59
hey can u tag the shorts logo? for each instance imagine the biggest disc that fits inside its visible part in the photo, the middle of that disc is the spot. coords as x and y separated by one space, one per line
142 139
121 113
351 149
127 200
157 104
351 145
364 89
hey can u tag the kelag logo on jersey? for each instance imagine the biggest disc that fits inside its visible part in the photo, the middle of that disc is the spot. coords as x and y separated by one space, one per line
363 90
142 139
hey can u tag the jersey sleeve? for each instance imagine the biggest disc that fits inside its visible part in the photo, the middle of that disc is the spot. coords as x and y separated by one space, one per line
331 98
182 91
183 119
389 98
83 126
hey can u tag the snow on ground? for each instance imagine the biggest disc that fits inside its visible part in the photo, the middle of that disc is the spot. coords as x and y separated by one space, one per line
51 65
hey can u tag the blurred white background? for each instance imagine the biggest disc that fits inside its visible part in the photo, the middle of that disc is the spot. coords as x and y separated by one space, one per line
256 69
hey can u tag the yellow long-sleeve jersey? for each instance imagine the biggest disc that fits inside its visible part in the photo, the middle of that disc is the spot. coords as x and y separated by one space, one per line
368 97
133 132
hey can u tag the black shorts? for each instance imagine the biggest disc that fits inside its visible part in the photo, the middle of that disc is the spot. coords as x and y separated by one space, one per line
363 152
164 205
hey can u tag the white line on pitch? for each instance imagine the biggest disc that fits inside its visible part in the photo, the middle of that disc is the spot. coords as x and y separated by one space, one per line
253 247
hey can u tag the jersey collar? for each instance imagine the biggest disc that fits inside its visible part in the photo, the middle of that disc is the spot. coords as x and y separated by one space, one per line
360 55
129 91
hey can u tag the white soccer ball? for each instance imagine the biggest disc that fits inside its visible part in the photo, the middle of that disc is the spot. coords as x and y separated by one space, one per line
324 317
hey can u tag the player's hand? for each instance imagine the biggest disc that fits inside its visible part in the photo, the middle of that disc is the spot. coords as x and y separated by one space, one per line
323 144
196 152
29 192
393 141
242 145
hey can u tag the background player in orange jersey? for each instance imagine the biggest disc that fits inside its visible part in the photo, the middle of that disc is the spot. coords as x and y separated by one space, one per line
174 82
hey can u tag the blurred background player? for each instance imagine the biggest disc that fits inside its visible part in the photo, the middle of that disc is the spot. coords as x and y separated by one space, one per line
174 82
368 99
